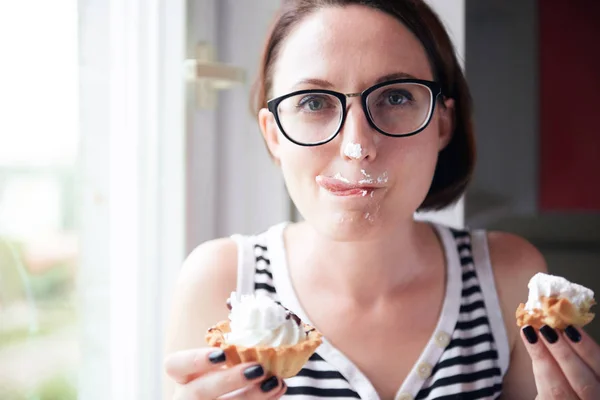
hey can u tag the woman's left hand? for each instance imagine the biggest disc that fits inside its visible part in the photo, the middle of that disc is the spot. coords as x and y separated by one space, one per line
566 365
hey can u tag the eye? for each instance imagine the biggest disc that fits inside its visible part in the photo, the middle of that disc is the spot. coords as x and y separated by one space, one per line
313 103
397 97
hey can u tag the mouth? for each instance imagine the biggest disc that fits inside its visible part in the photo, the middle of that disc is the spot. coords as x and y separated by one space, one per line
339 187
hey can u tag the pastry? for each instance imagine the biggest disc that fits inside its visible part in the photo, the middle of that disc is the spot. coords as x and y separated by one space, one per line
556 302
262 330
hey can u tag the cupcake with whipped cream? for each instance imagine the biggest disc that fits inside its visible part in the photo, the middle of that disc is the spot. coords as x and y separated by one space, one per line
556 302
261 330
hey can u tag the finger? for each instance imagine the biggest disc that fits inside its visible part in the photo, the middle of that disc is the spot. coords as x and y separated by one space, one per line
269 389
550 381
224 381
279 392
585 347
185 365
581 378
273 387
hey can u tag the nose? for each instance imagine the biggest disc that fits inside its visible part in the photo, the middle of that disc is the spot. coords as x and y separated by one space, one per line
359 139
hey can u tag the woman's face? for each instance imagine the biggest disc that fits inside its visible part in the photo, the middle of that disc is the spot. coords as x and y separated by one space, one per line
362 183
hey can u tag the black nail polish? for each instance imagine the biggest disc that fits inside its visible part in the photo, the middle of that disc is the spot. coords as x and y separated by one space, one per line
530 334
254 372
216 357
549 333
573 334
269 384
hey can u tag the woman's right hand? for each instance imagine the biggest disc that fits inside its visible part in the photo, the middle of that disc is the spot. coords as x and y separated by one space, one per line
200 374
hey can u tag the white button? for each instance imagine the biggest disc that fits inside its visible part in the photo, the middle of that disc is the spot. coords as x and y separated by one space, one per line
442 339
424 370
404 396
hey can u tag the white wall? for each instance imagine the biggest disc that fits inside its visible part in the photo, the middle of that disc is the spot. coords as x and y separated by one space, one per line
452 13
233 185
253 195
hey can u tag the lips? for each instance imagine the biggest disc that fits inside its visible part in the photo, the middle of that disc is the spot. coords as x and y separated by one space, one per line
342 188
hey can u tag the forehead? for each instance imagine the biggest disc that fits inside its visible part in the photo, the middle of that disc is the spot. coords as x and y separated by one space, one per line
351 47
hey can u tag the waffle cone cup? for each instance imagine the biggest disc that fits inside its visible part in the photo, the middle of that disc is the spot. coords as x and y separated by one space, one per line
557 313
282 361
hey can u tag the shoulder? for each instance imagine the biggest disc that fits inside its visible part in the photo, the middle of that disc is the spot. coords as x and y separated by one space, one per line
514 261
215 260
206 279
511 249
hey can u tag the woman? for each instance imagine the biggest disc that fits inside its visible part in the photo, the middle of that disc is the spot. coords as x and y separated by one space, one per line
364 107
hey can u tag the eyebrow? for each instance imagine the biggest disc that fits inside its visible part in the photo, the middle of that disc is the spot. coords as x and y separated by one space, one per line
397 75
326 84
314 81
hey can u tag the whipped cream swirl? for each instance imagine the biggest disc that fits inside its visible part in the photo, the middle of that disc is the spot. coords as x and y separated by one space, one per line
555 286
260 321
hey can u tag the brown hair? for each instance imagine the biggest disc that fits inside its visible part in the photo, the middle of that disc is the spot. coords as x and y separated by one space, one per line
457 160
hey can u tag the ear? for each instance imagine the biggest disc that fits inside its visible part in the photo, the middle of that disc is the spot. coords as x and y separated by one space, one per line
447 123
270 132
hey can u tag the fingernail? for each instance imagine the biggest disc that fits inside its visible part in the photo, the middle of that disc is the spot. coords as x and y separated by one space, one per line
254 372
549 334
269 384
217 356
573 334
530 334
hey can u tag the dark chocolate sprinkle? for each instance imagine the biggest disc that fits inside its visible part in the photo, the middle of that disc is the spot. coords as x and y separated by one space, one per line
297 319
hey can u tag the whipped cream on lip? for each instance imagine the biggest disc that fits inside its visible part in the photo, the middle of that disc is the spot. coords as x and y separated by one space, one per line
368 179
341 186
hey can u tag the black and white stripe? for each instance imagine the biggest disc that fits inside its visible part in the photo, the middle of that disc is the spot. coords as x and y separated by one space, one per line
468 368
263 277
318 379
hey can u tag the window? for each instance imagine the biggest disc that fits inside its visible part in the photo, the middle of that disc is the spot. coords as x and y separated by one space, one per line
39 213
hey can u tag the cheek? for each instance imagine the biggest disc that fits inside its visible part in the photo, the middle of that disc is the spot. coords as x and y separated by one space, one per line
301 164
412 162
413 155
301 160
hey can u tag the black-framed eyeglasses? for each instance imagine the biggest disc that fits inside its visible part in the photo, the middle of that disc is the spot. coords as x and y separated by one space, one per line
398 108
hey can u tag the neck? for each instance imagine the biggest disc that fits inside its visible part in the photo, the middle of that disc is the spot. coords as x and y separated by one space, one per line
373 269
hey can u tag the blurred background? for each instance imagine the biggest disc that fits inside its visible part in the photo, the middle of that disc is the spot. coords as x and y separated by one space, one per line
126 140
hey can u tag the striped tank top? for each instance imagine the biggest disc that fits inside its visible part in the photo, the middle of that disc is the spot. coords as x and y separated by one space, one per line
466 357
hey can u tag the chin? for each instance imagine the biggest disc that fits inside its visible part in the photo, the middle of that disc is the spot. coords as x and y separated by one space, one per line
351 227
